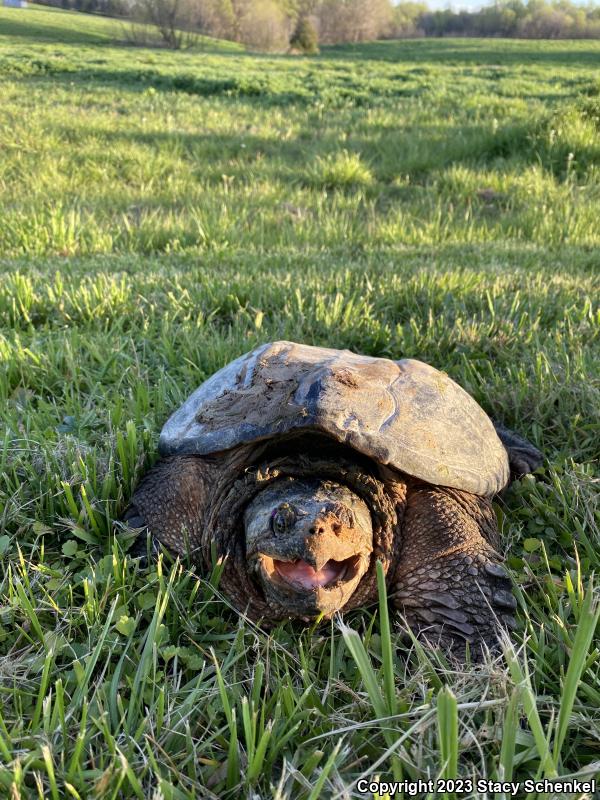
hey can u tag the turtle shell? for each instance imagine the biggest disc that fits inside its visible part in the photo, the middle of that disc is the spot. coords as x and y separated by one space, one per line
405 413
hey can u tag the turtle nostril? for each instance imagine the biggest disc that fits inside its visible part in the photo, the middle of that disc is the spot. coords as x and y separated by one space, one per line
320 528
337 528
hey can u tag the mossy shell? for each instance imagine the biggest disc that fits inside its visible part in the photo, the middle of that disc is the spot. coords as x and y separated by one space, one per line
405 414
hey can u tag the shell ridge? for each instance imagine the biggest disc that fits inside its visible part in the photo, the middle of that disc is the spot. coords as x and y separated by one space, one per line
394 415
309 379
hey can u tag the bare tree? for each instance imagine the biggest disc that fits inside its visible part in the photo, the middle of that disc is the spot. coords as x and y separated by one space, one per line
353 20
173 19
218 18
266 26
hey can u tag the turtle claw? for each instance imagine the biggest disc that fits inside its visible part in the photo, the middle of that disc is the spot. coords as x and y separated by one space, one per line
146 551
134 520
141 547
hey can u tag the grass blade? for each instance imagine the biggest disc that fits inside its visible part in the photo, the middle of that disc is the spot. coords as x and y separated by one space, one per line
587 624
447 719
389 682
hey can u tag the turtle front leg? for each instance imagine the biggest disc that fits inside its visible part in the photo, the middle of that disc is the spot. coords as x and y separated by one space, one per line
449 582
170 503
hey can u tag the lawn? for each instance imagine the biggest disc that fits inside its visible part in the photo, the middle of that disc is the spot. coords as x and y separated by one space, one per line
162 213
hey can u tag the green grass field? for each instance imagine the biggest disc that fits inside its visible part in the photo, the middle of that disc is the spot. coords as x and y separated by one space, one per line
162 213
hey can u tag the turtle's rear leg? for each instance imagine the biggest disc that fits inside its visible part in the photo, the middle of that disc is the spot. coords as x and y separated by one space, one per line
170 503
523 457
450 583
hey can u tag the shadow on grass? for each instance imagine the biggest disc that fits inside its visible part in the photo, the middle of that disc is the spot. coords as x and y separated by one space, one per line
271 88
389 151
485 52
246 266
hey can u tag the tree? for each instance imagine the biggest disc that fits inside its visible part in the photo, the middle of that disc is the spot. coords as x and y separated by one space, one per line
217 18
305 37
406 20
173 19
353 20
275 24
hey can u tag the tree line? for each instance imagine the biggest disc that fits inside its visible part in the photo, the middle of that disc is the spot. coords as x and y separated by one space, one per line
527 19
301 25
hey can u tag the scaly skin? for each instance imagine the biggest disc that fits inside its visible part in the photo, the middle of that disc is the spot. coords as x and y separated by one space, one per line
450 584
190 503
171 502
446 578
523 457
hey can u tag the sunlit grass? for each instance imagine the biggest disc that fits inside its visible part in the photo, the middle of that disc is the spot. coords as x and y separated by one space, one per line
339 171
110 149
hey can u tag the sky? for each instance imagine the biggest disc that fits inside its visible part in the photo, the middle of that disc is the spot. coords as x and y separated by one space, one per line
468 5
456 5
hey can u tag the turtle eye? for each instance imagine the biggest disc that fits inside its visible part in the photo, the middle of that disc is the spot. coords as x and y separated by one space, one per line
283 519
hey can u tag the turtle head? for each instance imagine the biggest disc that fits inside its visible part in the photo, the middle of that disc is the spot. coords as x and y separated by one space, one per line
308 544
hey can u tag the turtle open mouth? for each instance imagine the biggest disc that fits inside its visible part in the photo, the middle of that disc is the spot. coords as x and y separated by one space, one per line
299 574
308 544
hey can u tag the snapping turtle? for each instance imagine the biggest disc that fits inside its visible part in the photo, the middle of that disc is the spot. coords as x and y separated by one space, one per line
305 465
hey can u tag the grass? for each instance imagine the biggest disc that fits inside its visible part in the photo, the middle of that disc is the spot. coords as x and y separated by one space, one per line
163 213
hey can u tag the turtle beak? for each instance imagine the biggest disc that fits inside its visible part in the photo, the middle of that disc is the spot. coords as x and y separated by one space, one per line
332 540
326 567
